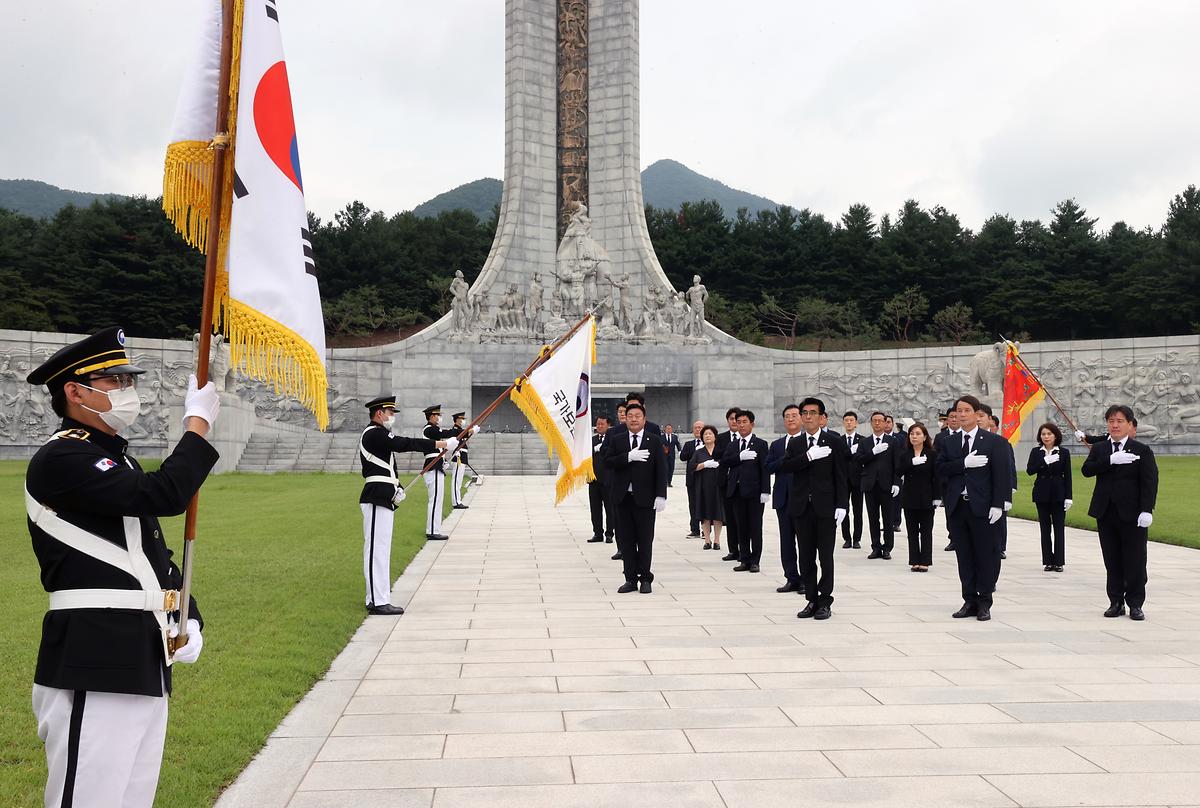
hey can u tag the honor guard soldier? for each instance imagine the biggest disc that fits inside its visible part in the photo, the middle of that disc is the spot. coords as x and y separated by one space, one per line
381 494
435 478
103 671
458 464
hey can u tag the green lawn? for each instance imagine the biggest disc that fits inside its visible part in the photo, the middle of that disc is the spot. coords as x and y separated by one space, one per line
279 579
1175 517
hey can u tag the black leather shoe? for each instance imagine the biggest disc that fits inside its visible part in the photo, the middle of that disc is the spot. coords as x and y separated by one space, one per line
807 611
875 554
1135 613
645 588
753 568
846 545
742 568
949 547
594 539
857 546
1049 568
822 613
436 536
729 557
386 609
692 536
1003 554
1115 610
967 610
608 539
627 587
617 557
1058 567
790 586
886 556
461 507
984 614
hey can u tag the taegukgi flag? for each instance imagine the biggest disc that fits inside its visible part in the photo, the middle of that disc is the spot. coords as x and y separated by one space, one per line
267 299
557 399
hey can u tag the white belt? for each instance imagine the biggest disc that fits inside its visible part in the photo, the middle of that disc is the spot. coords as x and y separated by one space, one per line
153 601
379 478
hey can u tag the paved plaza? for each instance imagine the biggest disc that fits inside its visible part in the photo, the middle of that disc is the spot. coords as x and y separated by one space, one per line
519 677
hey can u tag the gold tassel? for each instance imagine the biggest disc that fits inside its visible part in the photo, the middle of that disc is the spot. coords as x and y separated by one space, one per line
530 403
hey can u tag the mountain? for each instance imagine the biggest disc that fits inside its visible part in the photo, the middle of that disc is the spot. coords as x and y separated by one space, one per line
42 200
665 184
480 197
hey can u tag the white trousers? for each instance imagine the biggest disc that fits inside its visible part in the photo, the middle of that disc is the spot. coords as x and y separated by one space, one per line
377 552
103 750
460 469
435 487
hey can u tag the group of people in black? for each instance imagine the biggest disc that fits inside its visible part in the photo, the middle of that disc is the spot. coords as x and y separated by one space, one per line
823 481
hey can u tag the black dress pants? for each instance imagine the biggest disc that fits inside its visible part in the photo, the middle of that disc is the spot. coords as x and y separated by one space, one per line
856 510
978 548
1123 546
635 539
693 523
879 509
816 536
748 516
787 547
732 534
601 508
1052 517
920 535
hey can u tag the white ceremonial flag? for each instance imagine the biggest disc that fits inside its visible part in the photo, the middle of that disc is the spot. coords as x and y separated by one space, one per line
267 299
557 399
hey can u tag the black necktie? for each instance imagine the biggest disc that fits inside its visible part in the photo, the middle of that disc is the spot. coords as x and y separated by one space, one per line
811 441
966 444
635 441
1116 446
743 444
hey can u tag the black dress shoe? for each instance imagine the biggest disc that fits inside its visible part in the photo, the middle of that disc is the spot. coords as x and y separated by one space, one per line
1003 554
461 507
436 536
645 588
1058 567
729 557
949 547
967 610
1135 613
385 609
753 568
822 613
692 536
1049 568
790 586
857 546
1115 610
846 545
608 539
617 557
742 568
807 611
886 556
984 614
875 554
594 539
627 587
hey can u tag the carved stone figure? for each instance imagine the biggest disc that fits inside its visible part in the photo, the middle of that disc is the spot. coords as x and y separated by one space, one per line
460 305
622 311
578 264
533 303
697 296
986 373
219 365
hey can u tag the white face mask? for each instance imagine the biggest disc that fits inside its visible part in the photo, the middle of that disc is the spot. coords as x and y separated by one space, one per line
124 407
389 422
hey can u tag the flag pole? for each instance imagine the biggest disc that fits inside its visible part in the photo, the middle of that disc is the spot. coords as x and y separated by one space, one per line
545 354
220 145
1049 395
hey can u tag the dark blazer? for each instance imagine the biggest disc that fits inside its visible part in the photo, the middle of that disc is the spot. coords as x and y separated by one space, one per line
650 428
854 470
598 457
649 479
921 483
823 483
671 443
1132 489
718 452
1012 469
686 452
878 470
783 479
747 478
987 487
1053 483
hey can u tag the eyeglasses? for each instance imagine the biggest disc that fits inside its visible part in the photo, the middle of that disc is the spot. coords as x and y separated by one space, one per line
810 412
123 381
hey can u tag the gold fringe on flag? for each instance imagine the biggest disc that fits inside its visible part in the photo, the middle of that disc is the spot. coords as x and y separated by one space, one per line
529 402
187 180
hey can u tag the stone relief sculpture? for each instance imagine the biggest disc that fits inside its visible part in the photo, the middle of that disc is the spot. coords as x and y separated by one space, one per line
572 72
986 374
220 371
460 306
697 296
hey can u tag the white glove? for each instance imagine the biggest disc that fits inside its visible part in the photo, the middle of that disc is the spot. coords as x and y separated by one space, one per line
838 515
711 464
975 461
1067 505
994 515
451 444
191 651
1051 459
880 447
399 496
1007 507
895 490
937 503
1080 436
764 498
475 429
639 455
203 403
819 452
747 454
1145 519
660 504
919 460
1122 458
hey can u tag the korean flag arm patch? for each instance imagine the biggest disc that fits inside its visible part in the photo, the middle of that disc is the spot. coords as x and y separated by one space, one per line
104 464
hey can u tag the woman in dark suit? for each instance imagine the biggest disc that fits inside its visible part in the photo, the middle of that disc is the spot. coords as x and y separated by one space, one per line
1051 462
920 494
710 499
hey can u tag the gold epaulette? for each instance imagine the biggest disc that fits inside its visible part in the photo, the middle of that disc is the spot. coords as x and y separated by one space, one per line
77 434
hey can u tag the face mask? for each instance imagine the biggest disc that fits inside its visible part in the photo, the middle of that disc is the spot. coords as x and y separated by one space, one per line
124 409
389 423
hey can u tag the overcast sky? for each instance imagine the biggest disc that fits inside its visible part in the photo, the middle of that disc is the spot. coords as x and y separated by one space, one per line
984 107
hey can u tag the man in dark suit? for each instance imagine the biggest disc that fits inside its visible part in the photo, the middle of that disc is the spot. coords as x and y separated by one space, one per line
993 426
748 489
637 470
949 432
779 501
723 440
689 475
603 527
878 460
899 441
852 537
818 462
671 448
975 475
621 431
1123 507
